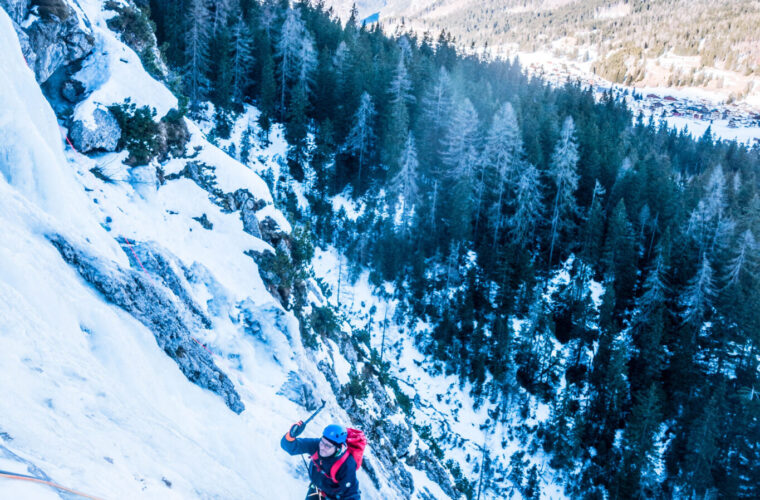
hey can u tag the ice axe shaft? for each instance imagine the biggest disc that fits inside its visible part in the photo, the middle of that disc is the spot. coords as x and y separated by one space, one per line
314 414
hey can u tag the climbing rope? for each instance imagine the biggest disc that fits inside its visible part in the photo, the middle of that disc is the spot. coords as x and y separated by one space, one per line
32 479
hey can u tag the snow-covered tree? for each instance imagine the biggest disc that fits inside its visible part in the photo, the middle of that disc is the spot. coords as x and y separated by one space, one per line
400 89
654 288
404 184
307 59
242 60
295 51
563 172
340 62
361 136
527 206
396 124
459 160
502 154
196 53
268 16
435 109
221 12
744 259
437 101
459 154
699 293
433 206
709 226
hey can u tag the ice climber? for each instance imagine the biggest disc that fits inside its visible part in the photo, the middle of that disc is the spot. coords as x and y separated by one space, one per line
335 457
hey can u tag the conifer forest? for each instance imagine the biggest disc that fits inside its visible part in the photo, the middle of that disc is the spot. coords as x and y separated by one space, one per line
479 186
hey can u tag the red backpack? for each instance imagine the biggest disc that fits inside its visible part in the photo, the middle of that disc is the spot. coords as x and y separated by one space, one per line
356 441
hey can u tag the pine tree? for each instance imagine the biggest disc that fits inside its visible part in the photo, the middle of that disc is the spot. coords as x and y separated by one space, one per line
196 53
502 155
397 119
295 51
593 232
696 299
361 137
527 206
563 172
702 445
435 109
654 289
221 66
404 184
619 257
242 60
268 85
638 474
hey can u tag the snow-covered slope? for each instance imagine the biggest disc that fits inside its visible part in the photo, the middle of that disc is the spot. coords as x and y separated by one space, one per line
91 400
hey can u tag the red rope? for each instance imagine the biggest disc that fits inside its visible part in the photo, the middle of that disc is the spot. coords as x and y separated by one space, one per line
148 274
72 146
21 477
66 136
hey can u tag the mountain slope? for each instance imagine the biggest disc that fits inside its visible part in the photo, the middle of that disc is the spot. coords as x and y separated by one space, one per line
91 398
711 45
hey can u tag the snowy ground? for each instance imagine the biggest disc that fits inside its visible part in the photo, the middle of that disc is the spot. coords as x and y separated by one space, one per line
719 128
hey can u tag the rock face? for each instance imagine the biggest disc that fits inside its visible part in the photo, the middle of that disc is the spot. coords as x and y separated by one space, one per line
159 309
425 460
55 38
103 137
16 9
298 391
248 216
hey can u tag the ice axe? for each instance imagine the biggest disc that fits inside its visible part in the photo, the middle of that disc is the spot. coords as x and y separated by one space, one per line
299 427
315 413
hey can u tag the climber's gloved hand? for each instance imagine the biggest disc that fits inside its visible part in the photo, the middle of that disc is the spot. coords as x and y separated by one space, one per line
295 430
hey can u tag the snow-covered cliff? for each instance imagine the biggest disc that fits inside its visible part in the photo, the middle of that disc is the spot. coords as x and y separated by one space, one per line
109 287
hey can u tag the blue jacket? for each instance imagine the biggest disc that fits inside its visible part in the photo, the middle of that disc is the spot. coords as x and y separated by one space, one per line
346 488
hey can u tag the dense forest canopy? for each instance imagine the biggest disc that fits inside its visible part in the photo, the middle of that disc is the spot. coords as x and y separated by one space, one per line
481 184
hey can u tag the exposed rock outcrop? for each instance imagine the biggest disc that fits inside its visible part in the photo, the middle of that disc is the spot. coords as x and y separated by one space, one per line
52 34
100 133
16 9
156 308
57 38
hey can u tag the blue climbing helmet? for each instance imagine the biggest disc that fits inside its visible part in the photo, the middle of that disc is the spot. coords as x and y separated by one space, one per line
336 434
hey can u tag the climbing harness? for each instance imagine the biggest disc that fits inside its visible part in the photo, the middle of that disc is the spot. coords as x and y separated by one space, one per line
317 493
32 479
